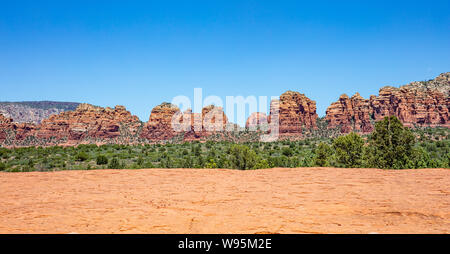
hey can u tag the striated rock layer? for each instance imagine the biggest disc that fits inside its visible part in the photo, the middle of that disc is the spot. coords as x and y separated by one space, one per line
350 114
257 121
417 104
6 125
10 130
167 122
89 121
159 126
87 124
293 112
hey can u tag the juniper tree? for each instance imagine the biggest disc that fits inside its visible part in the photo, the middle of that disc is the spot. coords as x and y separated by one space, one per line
391 144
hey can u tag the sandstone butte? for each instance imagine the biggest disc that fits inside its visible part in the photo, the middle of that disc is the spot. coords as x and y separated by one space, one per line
424 103
167 122
256 121
295 113
418 104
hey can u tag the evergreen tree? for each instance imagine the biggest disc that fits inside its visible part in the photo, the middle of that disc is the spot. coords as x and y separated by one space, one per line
114 164
102 160
391 144
323 154
349 150
243 157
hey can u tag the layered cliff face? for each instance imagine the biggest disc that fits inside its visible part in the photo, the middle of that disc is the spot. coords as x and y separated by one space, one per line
257 121
159 126
212 120
417 104
350 114
89 121
10 131
167 121
6 125
295 112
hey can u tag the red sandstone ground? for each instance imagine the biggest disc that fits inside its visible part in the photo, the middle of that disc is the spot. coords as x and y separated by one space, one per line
302 200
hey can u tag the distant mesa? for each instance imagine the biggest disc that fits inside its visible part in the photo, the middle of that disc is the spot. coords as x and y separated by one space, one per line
418 104
34 111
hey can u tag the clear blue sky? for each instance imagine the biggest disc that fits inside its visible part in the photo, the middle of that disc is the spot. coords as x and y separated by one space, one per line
141 53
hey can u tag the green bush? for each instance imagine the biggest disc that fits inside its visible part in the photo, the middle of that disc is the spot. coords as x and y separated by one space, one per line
349 150
287 151
30 164
323 154
102 160
211 164
2 166
81 156
242 157
114 164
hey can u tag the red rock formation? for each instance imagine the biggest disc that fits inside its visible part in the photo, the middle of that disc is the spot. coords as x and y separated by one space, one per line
296 111
16 131
413 107
23 130
256 121
166 121
350 114
159 126
212 120
5 125
417 104
89 121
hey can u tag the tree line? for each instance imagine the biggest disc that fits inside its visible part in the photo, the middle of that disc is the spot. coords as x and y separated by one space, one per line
390 146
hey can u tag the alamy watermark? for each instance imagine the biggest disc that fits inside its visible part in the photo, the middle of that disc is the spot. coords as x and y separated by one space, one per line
212 118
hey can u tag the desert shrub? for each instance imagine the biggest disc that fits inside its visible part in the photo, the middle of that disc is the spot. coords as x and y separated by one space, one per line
4 153
114 163
167 162
211 164
102 160
349 150
30 164
287 151
391 144
243 157
140 161
200 162
81 156
261 164
2 166
187 162
323 152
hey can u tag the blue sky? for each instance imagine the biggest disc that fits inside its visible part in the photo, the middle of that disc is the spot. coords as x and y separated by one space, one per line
141 53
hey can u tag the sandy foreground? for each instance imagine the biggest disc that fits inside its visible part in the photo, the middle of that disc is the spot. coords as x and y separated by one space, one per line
301 200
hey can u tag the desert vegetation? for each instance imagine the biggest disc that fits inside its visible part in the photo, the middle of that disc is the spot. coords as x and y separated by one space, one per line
390 146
